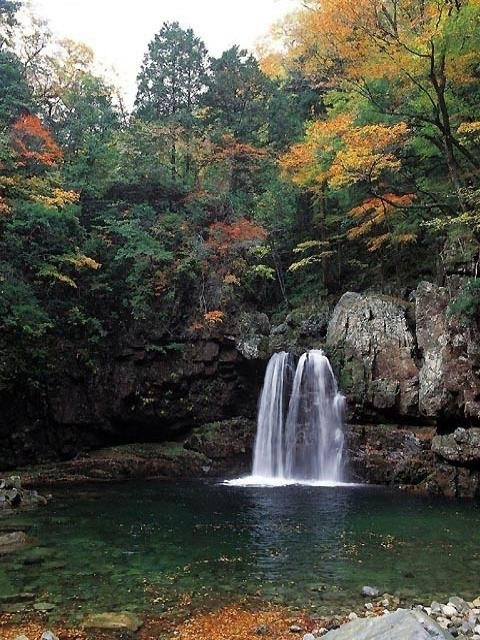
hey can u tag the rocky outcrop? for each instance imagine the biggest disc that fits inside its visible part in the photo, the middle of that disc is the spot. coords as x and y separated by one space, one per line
403 362
408 359
456 471
399 362
372 347
147 391
461 447
390 454
251 335
413 458
219 449
303 328
450 349
452 481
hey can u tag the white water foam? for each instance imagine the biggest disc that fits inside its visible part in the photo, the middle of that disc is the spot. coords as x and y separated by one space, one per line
261 481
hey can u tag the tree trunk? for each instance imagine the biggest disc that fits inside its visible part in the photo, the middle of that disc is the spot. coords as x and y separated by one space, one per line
438 79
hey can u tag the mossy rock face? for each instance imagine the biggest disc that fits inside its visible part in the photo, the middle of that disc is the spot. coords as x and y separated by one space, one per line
253 330
302 329
223 439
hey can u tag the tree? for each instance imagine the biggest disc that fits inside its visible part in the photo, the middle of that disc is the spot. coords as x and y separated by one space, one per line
173 75
171 81
238 95
15 94
34 143
8 21
395 146
409 60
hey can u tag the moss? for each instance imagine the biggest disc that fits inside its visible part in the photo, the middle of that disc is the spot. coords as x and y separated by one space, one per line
168 450
214 430
176 451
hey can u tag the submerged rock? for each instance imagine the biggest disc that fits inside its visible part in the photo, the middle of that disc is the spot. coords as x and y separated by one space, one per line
37 555
370 592
400 625
44 606
114 621
11 542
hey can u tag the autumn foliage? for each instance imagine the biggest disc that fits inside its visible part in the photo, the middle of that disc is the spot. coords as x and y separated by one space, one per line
237 151
339 153
375 212
237 623
397 72
224 237
34 143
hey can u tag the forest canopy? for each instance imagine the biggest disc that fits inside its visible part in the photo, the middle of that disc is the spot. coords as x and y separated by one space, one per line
345 155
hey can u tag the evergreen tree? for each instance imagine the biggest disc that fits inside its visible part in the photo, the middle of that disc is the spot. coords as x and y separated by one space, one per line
238 95
173 75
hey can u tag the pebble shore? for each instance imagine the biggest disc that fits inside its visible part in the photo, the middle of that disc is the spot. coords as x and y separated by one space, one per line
459 617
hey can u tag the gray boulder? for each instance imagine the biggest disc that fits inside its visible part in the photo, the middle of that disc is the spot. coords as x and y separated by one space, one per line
13 497
373 349
400 625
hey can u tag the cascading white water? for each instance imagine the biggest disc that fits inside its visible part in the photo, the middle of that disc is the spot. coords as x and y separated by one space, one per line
269 454
300 422
314 425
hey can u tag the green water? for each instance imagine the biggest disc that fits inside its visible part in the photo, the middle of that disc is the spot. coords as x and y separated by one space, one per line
150 546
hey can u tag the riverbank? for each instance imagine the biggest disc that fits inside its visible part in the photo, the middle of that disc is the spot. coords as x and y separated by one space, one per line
217 449
244 621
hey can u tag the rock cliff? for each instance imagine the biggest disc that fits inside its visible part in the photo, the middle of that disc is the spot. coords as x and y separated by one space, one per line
409 368
409 359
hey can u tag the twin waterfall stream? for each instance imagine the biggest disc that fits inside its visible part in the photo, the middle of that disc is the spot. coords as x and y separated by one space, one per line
300 424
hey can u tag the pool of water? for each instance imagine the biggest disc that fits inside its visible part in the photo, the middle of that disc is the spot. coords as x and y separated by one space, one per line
157 545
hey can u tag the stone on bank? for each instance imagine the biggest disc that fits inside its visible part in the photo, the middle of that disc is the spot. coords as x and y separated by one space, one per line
123 621
400 625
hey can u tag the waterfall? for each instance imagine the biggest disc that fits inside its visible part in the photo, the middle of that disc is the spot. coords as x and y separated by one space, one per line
300 421
269 458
